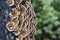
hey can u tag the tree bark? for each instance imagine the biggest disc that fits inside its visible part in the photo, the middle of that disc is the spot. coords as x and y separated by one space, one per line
17 20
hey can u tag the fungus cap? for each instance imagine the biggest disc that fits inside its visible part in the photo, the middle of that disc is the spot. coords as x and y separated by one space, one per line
10 26
14 13
10 2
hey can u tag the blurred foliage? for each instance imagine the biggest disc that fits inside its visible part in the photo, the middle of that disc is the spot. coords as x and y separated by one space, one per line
48 19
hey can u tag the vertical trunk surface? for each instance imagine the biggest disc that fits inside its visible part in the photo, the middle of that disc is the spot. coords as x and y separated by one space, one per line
17 20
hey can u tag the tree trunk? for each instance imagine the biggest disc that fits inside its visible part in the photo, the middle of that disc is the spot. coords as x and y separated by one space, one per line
17 20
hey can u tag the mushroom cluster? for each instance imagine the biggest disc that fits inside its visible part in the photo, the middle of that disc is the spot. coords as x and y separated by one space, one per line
22 23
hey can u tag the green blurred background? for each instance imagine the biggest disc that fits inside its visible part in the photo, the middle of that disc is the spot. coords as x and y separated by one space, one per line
48 19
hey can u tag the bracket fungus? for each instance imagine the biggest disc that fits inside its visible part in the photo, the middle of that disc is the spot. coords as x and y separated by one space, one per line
18 1
10 26
22 21
14 13
10 2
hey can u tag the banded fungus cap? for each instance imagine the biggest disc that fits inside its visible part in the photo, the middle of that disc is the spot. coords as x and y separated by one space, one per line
14 13
10 26
28 0
22 9
16 21
16 33
20 37
21 17
27 5
18 1
24 32
10 2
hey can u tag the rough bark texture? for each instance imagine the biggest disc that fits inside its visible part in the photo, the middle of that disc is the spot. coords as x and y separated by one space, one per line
21 24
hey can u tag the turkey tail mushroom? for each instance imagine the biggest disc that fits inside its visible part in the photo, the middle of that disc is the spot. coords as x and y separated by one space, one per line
17 32
10 2
14 13
10 26
18 1
22 21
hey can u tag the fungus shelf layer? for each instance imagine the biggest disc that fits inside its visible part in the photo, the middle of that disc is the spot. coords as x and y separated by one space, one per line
19 21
